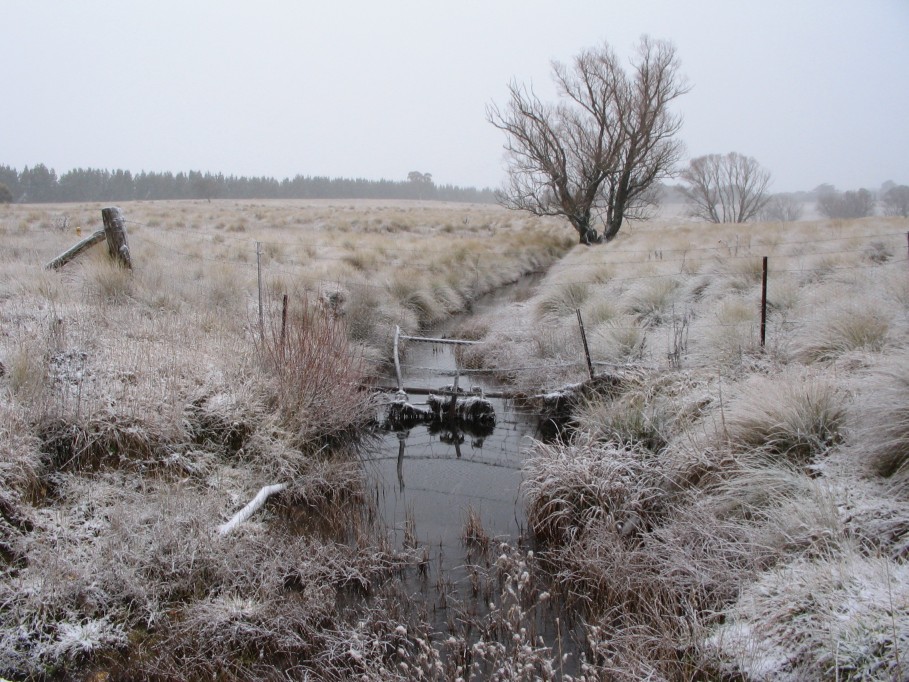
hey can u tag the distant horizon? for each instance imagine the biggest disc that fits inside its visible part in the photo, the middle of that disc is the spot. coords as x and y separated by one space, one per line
235 175
669 183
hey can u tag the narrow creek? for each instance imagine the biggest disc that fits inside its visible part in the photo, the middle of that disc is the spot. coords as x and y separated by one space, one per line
432 481
429 478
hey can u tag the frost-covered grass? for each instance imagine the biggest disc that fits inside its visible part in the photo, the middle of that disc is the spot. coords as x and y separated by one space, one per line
719 510
141 409
883 420
726 511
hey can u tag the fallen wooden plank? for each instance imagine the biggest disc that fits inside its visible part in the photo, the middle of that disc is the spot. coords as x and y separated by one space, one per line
75 250
420 390
429 339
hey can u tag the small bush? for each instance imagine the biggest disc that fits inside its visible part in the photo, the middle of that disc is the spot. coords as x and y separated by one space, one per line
315 374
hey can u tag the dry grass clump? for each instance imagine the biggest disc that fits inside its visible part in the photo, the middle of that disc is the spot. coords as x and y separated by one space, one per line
598 311
107 282
831 618
741 273
792 415
651 300
563 299
633 418
843 329
882 436
474 535
568 489
620 340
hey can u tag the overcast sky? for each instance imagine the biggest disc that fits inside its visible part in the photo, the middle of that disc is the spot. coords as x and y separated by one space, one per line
815 90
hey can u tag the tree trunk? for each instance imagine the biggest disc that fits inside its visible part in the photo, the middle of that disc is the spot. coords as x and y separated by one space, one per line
612 227
616 215
116 235
586 234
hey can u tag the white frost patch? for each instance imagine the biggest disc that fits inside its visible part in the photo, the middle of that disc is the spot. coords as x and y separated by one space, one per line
77 639
822 618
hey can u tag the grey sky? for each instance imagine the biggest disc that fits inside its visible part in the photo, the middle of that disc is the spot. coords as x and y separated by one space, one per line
816 90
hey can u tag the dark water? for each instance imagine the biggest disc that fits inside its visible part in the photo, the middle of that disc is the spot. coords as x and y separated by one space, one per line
429 477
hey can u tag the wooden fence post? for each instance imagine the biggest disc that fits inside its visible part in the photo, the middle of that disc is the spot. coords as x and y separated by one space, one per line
283 324
116 236
259 277
397 361
584 339
764 301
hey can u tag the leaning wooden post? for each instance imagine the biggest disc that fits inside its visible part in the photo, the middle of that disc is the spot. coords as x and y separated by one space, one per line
74 251
764 301
584 339
116 235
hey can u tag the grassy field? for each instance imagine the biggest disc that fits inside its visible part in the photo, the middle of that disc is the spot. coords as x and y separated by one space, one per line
719 509
723 508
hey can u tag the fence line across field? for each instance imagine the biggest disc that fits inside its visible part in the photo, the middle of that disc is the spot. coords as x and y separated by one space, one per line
761 322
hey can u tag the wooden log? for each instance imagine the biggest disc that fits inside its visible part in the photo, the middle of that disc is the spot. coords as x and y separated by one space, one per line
74 251
116 236
429 339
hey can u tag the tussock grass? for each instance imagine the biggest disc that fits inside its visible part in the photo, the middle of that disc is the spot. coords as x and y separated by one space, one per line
569 489
598 312
140 409
883 420
842 329
729 336
856 606
563 299
629 419
651 300
795 416
679 522
619 340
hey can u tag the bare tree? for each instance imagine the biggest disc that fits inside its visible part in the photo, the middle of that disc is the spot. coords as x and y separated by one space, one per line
595 156
853 204
896 201
782 208
729 188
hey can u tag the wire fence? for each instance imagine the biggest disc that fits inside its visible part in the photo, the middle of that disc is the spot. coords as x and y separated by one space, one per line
872 252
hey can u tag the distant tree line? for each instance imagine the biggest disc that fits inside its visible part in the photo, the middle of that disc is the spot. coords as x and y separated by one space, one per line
40 184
